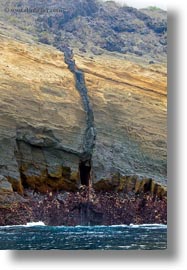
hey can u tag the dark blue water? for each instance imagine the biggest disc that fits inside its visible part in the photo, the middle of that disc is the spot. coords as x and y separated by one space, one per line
133 237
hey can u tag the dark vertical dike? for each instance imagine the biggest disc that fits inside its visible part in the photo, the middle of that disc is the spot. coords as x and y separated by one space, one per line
90 132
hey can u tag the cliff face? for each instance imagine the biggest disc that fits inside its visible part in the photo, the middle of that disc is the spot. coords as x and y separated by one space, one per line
129 103
47 122
42 119
87 105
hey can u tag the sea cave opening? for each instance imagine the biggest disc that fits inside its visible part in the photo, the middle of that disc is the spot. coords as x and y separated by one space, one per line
84 171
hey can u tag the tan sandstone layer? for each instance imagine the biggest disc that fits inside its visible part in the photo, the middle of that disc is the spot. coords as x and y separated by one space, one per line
42 120
41 112
129 100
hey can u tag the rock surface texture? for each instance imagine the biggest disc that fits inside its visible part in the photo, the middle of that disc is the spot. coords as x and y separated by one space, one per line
129 104
92 25
83 107
47 125
42 118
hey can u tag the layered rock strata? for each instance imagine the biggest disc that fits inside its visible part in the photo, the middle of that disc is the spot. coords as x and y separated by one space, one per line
50 110
47 122
42 118
129 101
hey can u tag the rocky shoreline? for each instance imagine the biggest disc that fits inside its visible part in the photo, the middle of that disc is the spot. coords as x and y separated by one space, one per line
83 207
83 105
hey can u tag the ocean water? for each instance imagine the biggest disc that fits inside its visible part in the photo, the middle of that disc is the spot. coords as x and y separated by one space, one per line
37 236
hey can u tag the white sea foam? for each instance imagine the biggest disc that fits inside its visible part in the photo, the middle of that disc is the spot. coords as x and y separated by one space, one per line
157 225
122 225
39 223
153 225
29 224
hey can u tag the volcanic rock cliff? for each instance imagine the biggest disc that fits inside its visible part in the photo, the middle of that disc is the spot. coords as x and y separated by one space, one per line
44 120
83 110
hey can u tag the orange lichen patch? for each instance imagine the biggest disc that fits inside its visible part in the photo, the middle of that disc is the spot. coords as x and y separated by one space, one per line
16 185
60 178
104 185
132 183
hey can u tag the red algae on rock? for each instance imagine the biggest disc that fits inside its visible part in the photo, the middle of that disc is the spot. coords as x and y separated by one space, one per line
84 207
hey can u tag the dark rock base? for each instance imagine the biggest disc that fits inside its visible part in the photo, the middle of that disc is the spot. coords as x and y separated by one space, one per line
85 207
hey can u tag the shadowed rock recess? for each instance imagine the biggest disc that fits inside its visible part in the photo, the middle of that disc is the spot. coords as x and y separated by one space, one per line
83 117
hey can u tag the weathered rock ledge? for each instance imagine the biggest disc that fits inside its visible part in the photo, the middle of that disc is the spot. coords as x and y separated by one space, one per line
119 201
